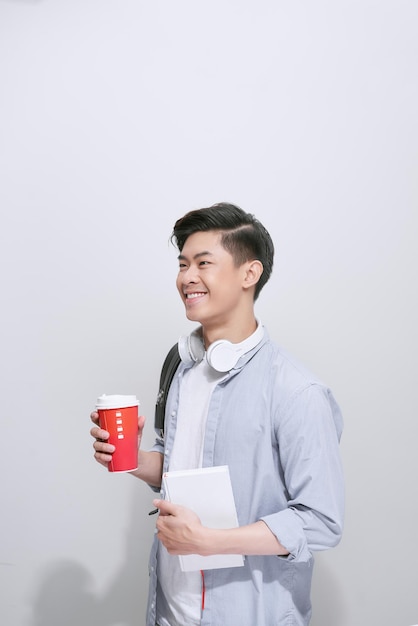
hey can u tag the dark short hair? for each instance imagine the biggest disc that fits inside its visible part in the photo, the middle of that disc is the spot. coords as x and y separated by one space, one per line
242 235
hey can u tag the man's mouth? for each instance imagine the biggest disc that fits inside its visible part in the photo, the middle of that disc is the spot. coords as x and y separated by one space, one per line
194 295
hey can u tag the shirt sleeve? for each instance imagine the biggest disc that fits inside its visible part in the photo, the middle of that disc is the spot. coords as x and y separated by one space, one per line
308 431
157 447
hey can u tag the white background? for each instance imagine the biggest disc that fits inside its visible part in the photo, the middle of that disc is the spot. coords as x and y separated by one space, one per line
117 117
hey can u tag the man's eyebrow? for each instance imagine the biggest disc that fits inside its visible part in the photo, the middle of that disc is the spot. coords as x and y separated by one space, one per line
181 257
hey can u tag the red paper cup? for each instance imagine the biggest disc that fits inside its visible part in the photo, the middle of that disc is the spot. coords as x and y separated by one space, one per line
119 416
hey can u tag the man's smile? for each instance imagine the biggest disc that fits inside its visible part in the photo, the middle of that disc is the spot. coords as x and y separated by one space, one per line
194 294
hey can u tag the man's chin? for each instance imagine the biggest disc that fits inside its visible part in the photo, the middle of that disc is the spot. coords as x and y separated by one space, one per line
192 316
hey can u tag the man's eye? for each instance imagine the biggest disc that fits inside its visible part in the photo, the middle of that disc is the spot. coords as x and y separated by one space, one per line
204 263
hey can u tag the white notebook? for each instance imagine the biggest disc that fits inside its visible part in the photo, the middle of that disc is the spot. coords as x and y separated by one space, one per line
208 492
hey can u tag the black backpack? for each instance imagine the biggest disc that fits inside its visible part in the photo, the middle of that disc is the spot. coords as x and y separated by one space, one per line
170 365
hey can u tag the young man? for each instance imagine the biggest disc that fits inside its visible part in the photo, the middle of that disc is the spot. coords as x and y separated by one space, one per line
237 399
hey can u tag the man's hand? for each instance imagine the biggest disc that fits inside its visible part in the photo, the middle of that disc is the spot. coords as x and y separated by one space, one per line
179 529
102 450
181 532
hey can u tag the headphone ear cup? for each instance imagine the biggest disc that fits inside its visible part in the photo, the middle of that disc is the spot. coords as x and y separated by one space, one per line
184 352
191 348
222 355
196 346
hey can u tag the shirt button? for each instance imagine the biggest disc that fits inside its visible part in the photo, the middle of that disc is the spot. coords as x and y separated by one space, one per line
173 413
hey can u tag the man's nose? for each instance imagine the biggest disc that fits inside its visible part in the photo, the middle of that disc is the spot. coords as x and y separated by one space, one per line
190 275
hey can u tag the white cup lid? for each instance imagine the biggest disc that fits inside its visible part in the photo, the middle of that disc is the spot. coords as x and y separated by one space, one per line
116 401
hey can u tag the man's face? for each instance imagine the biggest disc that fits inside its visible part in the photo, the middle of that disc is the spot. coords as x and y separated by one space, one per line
209 283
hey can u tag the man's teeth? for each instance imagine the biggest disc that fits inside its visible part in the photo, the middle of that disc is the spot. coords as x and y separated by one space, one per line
190 296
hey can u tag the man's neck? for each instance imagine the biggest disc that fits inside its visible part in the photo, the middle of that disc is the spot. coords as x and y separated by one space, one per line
235 331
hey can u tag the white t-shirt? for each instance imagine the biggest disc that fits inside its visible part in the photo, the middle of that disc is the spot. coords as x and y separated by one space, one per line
184 589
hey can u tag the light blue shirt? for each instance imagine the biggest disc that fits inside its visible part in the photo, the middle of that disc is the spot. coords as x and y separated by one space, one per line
278 428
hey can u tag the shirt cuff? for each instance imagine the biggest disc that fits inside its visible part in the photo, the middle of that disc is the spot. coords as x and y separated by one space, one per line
287 527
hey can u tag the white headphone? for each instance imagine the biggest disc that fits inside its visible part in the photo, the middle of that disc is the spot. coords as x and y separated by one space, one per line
222 355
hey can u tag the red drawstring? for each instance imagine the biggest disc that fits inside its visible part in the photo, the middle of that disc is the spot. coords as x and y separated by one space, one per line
203 589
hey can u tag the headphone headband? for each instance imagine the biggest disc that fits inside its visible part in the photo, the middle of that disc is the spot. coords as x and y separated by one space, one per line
222 355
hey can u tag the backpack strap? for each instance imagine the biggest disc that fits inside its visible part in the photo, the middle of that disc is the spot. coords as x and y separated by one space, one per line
170 365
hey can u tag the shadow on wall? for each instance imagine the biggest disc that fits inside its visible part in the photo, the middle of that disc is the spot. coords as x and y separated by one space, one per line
328 606
65 596
66 593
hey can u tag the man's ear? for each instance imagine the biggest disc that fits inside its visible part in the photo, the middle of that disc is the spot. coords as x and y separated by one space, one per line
253 272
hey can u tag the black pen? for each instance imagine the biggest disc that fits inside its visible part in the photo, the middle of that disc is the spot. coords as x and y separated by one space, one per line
153 512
